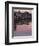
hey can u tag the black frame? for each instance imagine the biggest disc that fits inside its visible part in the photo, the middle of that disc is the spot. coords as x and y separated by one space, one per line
7 22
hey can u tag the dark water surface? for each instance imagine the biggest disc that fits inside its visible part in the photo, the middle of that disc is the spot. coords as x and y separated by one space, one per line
23 33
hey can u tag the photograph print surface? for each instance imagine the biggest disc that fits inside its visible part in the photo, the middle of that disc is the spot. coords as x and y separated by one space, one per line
21 22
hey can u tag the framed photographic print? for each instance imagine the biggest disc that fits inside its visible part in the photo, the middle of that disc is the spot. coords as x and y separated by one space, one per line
21 22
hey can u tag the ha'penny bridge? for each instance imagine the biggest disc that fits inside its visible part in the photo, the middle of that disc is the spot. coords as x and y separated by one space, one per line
22 18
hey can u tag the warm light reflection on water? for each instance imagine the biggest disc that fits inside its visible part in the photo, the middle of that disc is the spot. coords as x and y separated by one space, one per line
24 27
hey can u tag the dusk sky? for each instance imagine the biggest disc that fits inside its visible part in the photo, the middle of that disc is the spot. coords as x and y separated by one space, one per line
22 10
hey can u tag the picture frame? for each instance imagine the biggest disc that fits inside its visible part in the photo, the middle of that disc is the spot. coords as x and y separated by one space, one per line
21 22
